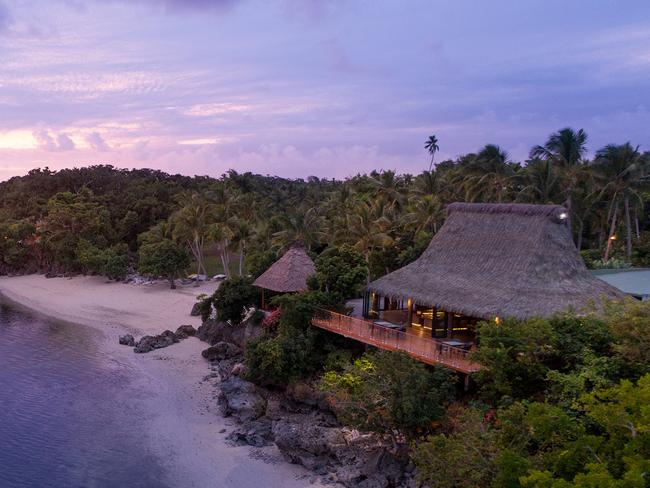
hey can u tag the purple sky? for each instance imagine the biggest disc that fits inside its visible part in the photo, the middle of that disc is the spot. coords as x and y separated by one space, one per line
307 87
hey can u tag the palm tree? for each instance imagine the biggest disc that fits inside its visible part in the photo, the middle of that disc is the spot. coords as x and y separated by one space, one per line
492 172
390 186
306 226
190 224
565 149
622 168
431 145
540 182
424 214
367 228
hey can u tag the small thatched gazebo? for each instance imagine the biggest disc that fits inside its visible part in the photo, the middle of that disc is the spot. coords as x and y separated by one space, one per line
289 273
490 261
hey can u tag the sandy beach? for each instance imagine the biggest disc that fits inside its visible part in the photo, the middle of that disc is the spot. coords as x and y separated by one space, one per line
185 427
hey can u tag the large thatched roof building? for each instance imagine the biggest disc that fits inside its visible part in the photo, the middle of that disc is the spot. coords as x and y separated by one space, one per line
498 260
289 273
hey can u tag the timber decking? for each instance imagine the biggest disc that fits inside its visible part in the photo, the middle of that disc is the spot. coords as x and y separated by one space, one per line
427 350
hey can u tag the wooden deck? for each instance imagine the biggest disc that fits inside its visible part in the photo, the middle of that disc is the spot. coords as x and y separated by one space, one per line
425 349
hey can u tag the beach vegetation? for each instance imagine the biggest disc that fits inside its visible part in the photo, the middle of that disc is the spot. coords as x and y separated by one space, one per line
164 258
233 297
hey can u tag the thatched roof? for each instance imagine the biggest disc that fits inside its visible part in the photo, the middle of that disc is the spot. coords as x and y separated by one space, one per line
289 273
499 260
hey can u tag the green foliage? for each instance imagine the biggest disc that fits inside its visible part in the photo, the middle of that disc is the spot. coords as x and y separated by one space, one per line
619 457
231 298
259 261
341 271
511 354
611 263
15 250
463 459
112 262
386 391
163 258
294 350
629 322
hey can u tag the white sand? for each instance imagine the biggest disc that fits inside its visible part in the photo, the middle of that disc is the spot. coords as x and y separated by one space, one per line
185 425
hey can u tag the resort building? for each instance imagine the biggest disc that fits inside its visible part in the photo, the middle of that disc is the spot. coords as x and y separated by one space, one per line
487 262
632 281
287 275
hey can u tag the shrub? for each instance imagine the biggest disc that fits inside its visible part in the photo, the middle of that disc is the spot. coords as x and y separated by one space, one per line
231 298
387 391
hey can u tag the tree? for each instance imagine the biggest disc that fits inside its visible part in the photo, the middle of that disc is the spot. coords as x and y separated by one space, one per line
164 258
431 145
232 297
306 226
622 168
340 271
367 228
491 174
191 224
565 149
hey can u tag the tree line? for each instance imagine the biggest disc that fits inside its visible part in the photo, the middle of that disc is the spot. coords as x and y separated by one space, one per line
103 219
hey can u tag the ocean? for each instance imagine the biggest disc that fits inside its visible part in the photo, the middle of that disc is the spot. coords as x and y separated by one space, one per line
68 417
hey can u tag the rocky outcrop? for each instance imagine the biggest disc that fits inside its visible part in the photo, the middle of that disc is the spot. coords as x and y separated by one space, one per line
127 340
196 309
308 444
221 351
241 399
149 343
213 331
185 331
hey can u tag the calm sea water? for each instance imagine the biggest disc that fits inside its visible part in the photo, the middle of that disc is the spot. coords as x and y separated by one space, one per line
66 419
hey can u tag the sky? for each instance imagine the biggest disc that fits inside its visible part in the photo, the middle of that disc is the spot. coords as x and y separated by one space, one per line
329 88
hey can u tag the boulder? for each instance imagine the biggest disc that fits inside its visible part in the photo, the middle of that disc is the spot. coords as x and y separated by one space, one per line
256 433
185 331
221 351
308 444
196 309
237 369
149 343
241 399
127 340
213 331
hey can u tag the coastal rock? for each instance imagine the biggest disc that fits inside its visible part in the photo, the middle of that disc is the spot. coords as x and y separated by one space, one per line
221 351
256 433
237 369
196 309
213 331
305 394
185 331
241 399
310 445
149 343
127 340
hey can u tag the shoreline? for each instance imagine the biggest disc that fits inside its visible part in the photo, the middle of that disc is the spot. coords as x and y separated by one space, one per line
186 428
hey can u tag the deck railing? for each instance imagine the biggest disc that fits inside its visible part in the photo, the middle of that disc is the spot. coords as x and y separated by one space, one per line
428 350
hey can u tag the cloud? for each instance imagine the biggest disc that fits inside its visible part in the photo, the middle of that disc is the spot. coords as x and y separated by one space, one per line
96 141
45 141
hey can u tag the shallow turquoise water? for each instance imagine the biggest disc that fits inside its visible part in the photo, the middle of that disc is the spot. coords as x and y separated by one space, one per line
67 420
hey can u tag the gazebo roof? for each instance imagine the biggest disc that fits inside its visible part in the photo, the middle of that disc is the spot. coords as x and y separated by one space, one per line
289 273
499 260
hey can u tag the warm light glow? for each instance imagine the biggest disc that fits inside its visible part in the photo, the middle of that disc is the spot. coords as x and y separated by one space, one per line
17 139
497 320
612 237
